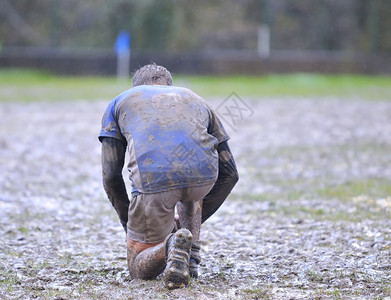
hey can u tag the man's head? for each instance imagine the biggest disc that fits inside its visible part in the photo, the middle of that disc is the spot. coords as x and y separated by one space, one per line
152 74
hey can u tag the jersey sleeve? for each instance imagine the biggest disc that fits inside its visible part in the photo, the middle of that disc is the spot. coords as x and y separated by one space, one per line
216 128
109 127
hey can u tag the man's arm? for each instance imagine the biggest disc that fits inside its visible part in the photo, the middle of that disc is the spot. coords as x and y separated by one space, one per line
226 180
113 157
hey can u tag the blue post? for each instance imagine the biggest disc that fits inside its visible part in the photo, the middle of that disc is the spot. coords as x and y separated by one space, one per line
122 49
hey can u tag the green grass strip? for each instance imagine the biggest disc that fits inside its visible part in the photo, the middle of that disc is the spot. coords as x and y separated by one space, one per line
32 85
294 85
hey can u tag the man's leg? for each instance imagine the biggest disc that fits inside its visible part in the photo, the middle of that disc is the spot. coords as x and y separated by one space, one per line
145 261
190 212
190 218
151 219
150 222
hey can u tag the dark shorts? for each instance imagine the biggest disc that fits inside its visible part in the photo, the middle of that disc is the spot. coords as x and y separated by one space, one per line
151 216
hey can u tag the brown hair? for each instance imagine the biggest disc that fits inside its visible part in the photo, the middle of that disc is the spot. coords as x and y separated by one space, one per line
152 74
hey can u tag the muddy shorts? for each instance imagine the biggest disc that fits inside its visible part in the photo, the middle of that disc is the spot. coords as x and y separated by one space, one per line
151 216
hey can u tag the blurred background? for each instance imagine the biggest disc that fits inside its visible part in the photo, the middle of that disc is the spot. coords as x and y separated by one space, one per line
198 37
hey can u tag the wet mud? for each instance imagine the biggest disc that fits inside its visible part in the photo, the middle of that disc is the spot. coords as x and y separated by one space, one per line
310 217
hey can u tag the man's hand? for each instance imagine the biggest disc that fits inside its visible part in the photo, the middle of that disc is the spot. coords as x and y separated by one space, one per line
226 180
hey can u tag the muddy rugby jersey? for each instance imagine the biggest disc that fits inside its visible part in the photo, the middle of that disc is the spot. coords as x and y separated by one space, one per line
171 136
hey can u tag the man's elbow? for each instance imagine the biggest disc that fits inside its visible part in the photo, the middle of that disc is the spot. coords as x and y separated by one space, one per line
234 178
230 178
110 179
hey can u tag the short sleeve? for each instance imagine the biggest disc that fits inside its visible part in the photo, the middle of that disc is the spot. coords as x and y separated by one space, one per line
216 128
109 127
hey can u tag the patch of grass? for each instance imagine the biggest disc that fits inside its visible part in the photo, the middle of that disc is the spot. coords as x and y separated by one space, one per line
32 85
23 230
304 210
8 280
323 185
314 276
351 201
257 292
334 293
373 188
384 289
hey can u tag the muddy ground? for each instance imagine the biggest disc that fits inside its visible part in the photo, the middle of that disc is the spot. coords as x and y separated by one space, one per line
309 218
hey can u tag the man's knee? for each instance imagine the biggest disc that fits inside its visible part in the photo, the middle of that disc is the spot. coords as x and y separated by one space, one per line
134 258
137 246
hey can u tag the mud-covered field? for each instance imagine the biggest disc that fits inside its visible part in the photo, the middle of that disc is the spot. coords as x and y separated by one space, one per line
309 218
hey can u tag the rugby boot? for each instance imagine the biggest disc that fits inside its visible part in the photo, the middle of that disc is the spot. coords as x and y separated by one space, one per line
195 259
193 268
176 273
